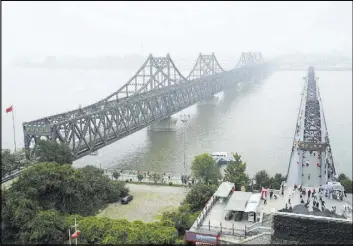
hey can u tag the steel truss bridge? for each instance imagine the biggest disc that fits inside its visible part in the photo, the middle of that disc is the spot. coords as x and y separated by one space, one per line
157 91
311 163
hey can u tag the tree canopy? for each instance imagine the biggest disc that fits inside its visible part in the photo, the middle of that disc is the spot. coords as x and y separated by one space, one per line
205 169
263 179
182 218
346 182
14 161
199 195
50 151
53 187
235 172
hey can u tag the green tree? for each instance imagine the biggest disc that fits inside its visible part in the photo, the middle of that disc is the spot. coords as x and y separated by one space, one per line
341 177
199 195
262 179
204 168
182 218
16 211
345 182
155 177
276 181
50 151
235 172
49 187
14 161
83 191
47 227
140 177
8 162
116 174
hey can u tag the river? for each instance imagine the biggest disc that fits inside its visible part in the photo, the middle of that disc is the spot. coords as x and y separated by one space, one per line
255 120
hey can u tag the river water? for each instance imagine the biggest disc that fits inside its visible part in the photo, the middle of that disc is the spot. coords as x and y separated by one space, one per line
256 120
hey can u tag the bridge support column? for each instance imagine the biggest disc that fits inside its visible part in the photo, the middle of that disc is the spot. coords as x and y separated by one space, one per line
212 100
167 125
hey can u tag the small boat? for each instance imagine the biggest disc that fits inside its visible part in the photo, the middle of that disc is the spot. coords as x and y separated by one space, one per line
221 158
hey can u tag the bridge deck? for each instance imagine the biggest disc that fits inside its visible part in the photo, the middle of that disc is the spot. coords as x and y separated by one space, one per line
303 161
311 170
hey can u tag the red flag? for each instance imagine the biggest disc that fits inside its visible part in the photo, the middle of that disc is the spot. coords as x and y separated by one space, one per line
8 110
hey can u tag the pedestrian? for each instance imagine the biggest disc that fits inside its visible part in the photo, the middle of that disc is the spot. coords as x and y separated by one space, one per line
289 198
309 192
271 194
265 201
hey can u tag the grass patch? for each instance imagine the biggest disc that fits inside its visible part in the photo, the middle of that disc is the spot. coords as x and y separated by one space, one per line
148 204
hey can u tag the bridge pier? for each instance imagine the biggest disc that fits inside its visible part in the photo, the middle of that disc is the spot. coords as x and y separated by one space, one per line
166 125
212 100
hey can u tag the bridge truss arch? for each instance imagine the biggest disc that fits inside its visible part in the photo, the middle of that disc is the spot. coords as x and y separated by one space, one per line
156 91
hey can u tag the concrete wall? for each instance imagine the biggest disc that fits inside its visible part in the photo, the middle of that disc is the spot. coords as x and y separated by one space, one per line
310 229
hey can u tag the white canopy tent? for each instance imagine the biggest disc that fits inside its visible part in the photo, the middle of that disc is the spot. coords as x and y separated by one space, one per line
334 186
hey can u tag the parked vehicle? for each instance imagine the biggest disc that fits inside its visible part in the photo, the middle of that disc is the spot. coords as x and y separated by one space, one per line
126 199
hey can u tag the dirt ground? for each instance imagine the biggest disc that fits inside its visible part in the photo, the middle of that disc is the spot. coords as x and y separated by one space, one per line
149 202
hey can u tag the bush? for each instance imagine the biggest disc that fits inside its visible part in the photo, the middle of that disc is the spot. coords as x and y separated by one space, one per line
140 177
170 183
127 181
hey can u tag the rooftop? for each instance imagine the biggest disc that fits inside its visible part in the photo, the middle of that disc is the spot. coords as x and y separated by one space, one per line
224 189
238 201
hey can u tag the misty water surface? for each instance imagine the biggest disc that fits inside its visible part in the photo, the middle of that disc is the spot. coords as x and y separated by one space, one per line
256 120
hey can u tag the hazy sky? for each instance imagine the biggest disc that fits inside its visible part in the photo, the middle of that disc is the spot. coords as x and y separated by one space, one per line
182 28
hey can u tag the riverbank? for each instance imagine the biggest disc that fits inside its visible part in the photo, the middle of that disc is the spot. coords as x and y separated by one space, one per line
132 176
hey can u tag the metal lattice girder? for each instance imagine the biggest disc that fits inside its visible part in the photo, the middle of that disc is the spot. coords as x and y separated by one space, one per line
205 65
258 58
155 73
249 59
312 123
90 128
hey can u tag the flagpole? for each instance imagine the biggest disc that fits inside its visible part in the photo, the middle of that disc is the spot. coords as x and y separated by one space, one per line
13 125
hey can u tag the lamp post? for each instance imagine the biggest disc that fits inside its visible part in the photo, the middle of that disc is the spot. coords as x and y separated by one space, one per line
184 118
